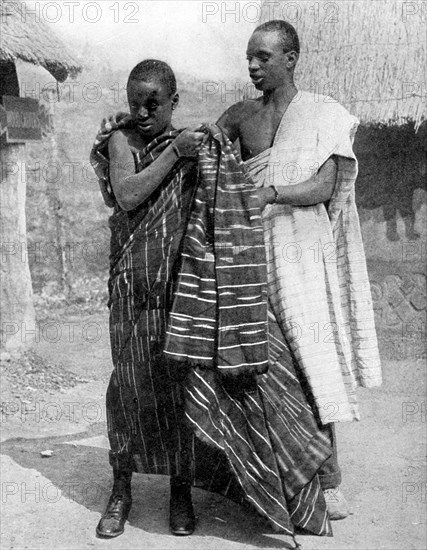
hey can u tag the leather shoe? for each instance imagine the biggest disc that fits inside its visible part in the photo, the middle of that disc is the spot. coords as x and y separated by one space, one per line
181 513
113 519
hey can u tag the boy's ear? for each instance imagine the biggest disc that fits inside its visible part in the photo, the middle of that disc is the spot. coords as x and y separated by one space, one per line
175 100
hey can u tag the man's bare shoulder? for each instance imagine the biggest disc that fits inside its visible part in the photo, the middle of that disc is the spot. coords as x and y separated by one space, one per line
241 110
233 117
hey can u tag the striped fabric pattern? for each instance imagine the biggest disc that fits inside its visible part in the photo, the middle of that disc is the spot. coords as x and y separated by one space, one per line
269 437
317 274
219 314
257 444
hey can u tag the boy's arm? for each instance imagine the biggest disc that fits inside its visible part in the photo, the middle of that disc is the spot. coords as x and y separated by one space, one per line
132 189
318 188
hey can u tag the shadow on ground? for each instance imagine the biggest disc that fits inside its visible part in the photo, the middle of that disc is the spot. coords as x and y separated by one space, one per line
82 474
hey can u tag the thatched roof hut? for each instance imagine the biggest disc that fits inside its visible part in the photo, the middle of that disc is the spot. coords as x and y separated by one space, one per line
370 55
25 36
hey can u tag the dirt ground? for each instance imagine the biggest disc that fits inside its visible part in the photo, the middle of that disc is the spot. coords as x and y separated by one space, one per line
56 501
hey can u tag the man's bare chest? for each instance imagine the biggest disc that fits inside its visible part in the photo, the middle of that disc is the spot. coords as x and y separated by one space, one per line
256 133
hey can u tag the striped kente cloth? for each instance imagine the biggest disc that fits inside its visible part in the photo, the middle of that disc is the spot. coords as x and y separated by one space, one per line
258 445
219 314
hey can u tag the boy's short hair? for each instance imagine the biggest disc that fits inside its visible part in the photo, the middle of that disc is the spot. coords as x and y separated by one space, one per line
287 32
154 68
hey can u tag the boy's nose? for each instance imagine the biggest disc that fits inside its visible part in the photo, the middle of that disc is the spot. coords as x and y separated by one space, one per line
143 113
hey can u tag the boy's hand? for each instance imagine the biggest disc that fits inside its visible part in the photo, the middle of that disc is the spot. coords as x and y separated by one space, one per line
189 142
118 120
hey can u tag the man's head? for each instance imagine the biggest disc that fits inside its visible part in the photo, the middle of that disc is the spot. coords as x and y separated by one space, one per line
152 96
272 54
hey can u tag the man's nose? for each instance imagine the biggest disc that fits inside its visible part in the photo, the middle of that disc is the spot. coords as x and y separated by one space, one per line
253 64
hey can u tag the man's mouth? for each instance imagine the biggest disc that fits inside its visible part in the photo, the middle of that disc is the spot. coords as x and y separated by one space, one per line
255 78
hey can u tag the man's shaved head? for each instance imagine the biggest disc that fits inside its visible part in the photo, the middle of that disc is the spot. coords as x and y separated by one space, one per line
150 69
288 34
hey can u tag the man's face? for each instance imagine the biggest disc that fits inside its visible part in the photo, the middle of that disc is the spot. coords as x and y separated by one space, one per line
267 61
150 106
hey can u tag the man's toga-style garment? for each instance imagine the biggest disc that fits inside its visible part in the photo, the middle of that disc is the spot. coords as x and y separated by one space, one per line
318 284
251 434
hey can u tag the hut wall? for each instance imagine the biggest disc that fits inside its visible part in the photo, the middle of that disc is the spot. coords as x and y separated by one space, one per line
391 199
17 316
391 185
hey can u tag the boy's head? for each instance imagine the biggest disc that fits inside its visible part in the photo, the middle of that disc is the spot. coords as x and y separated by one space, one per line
152 96
150 69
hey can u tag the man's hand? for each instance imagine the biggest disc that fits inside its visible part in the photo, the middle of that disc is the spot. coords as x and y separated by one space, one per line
266 196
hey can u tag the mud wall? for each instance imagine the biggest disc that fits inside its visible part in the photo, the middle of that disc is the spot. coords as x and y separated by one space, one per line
391 197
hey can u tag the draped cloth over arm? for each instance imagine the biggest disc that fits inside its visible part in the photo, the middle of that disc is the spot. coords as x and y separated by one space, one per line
318 281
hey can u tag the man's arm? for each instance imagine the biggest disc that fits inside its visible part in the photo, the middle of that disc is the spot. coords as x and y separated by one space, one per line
230 119
318 188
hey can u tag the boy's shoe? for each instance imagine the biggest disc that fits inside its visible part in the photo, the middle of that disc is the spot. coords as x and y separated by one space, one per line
112 522
336 503
181 519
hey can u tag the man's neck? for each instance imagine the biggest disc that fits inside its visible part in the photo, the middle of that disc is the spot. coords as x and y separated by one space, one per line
281 96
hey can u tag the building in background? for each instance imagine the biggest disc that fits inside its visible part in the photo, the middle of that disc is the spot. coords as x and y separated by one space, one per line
26 38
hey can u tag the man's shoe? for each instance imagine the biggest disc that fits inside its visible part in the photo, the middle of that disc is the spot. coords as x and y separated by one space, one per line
113 519
336 503
181 513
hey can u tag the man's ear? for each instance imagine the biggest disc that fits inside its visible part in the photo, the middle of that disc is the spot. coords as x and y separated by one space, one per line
292 59
175 101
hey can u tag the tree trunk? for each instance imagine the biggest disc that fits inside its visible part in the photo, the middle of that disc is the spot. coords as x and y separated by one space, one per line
17 316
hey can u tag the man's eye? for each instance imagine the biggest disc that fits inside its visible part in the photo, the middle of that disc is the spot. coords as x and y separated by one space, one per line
260 59
152 105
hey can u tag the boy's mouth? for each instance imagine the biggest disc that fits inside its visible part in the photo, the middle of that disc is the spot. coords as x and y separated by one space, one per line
144 126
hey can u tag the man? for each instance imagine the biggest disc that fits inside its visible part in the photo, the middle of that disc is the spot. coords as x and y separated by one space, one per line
297 148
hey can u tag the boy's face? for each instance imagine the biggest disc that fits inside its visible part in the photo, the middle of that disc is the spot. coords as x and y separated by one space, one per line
150 106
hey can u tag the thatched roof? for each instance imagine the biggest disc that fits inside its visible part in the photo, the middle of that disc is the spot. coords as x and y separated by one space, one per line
368 54
26 37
